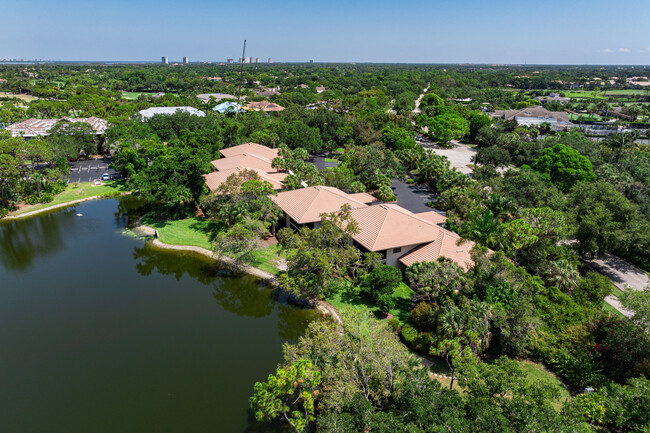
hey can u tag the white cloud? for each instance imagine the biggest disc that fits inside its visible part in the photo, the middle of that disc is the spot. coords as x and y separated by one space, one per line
623 50
608 50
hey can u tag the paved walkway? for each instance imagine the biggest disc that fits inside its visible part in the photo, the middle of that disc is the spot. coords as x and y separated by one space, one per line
622 274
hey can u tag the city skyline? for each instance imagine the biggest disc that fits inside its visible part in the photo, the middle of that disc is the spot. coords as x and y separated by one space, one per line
467 31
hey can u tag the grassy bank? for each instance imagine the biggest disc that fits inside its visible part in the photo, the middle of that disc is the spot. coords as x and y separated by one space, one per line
77 191
198 232
352 299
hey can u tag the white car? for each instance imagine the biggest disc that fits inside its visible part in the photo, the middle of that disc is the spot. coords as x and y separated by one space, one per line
106 176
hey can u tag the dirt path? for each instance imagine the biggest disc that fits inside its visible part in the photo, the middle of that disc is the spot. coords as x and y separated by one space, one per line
417 101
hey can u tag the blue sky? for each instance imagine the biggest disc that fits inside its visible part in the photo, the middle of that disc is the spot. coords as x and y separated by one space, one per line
451 31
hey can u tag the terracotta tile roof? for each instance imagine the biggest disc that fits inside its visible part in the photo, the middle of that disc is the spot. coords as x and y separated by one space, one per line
251 149
205 97
35 127
433 217
264 106
216 178
364 197
444 246
387 226
305 205
536 111
244 160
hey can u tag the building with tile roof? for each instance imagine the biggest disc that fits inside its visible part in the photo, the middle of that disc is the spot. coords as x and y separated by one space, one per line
265 106
244 160
303 207
396 233
216 178
446 245
206 97
535 116
252 149
31 128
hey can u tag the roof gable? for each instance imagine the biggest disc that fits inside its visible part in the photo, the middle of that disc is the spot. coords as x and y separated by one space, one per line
446 245
391 226
216 178
251 149
245 160
305 205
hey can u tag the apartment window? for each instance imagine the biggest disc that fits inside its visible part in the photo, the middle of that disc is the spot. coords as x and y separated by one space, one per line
397 250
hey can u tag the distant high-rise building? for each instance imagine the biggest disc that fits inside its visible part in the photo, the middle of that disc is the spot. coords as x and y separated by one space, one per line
186 60
257 60
165 60
270 59
230 61
311 60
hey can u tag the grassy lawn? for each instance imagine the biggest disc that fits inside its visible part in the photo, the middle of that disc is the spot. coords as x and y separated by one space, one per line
77 191
585 117
352 299
26 98
537 373
131 96
192 231
614 92
266 258
198 231
331 160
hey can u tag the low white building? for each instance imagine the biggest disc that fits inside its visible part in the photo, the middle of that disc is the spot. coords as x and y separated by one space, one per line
150 112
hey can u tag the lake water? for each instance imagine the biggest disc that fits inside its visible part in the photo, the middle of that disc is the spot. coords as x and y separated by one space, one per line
101 332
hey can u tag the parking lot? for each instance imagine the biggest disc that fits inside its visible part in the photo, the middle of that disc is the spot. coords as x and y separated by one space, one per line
90 170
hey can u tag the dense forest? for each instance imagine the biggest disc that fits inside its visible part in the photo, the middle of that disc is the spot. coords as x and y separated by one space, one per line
539 204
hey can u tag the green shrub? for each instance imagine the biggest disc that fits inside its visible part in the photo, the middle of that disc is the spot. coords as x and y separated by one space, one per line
382 280
31 199
46 197
581 372
592 289
385 193
357 186
394 324
592 406
424 317
385 302
409 334
424 341
410 181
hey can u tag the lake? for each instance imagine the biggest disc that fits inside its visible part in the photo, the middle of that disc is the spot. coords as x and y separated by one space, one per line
102 332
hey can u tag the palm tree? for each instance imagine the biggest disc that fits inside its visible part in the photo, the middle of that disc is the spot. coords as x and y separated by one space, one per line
563 275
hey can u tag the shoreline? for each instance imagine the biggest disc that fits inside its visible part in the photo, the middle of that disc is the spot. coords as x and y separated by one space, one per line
321 305
60 205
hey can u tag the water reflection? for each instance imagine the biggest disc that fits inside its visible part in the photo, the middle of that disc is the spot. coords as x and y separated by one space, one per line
23 241
238 293
129 209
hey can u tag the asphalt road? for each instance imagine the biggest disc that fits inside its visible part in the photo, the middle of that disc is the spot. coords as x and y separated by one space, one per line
622 274
89 170
413 197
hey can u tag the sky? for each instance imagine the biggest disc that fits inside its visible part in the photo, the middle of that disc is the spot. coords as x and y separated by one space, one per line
408 31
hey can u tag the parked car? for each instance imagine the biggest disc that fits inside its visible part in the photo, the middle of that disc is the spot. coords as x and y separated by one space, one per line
106 176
